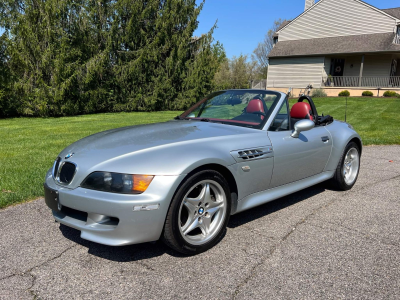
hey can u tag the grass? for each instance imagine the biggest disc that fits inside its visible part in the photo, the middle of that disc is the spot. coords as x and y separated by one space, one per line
29 146
377 120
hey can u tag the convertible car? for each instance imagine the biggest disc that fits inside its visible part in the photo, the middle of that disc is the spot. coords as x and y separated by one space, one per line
181 180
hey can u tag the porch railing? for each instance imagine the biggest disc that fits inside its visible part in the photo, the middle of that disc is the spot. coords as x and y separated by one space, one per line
354 81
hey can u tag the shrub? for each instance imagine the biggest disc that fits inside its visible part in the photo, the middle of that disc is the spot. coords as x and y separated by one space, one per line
345 93
367 94
318 93
389 94
397 95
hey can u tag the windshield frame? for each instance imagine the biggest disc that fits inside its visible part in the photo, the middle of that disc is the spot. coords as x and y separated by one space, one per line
261 125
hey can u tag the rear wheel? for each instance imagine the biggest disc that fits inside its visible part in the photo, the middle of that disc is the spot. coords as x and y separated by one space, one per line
348 168
198 214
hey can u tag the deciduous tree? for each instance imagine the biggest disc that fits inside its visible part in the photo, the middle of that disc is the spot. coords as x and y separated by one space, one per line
264 48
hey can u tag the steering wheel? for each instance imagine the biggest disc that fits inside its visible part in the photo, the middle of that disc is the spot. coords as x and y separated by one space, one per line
259 113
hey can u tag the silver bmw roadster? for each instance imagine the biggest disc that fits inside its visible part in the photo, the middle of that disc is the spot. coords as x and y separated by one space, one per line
181 180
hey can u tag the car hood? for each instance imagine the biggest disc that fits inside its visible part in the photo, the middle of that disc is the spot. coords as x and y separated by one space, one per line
112 144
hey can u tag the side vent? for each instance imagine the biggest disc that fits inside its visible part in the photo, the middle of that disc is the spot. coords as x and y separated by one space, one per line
250 154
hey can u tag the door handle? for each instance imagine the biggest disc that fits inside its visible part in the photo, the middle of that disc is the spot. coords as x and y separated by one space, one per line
325 139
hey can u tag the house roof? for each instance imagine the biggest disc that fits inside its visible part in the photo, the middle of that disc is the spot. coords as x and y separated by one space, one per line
366 43
284 23
394 12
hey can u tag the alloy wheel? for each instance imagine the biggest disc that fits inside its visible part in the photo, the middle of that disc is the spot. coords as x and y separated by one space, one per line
202 212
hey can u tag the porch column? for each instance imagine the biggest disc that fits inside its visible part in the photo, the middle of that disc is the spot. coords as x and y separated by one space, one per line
361 71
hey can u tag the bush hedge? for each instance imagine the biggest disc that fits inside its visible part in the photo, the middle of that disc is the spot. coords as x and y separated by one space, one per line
368 94
318 93
345 93
389 94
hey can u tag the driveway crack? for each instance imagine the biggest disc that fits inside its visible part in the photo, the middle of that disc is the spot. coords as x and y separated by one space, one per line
287 235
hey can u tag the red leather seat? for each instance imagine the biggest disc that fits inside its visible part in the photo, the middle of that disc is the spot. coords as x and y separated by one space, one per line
301 110
254 106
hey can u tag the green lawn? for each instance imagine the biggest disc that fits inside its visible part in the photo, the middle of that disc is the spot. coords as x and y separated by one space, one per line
377 120
29 146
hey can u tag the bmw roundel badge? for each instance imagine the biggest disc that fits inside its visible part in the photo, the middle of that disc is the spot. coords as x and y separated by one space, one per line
69 155
201 210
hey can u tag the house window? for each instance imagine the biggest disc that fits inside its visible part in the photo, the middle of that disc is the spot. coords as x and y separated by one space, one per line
275 40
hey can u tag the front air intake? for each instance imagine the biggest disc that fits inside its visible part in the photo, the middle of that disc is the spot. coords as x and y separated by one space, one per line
67 172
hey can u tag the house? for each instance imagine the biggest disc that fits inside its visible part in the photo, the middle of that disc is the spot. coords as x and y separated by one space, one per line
336 45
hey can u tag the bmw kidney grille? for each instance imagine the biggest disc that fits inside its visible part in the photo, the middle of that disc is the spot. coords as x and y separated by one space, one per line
67 172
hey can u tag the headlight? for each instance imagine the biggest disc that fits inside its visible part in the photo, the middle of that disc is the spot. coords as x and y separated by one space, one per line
117 183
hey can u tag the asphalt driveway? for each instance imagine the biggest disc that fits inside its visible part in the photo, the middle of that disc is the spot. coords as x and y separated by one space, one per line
315 244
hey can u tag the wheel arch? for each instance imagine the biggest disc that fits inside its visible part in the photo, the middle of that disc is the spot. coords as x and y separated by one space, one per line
225 172
220 169
342 134
358 142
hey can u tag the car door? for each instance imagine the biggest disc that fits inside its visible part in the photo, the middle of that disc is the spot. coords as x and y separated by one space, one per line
297 158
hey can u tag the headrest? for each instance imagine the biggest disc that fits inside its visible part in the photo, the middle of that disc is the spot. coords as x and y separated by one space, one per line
301 110
255 105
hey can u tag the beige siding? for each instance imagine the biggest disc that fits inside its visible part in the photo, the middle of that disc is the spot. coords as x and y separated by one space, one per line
331 18
295 72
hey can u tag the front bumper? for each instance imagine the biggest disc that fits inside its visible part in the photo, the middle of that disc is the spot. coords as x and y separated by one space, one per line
109 219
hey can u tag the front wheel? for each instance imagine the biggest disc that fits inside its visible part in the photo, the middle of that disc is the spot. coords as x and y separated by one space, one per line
199 213
348 168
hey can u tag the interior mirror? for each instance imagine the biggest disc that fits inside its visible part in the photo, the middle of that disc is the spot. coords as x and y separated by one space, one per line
303 125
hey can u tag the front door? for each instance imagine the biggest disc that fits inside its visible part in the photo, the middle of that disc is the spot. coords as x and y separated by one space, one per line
337 67
297 158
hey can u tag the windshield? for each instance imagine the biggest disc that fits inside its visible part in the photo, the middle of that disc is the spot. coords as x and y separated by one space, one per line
249 108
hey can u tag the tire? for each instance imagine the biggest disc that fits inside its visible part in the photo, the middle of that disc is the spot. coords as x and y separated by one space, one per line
199 213
348 168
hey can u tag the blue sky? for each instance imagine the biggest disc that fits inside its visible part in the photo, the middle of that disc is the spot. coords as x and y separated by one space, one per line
242 24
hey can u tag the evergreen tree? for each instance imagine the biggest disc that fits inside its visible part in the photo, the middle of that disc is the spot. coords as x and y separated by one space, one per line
66 57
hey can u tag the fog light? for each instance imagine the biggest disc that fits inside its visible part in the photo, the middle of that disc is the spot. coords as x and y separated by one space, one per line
146 207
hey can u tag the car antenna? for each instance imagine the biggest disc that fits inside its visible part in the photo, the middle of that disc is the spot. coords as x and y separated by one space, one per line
345 112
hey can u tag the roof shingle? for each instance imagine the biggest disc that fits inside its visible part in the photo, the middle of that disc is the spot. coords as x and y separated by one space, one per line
395 12
366 43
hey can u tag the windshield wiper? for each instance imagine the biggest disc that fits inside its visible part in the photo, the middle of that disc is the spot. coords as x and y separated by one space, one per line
205 120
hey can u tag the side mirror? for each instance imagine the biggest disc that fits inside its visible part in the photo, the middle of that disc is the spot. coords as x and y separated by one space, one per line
303 125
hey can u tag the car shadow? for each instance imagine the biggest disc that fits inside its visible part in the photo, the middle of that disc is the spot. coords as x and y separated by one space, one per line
150 250
276 205
120 253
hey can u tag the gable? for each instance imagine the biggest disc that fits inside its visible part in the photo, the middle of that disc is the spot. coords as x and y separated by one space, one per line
332 18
